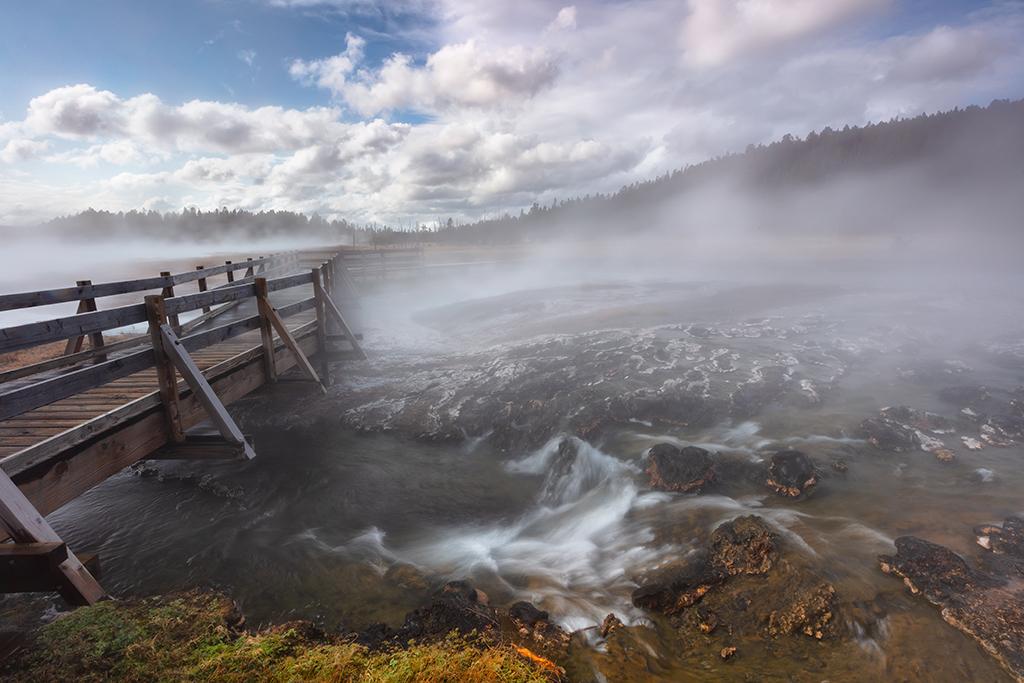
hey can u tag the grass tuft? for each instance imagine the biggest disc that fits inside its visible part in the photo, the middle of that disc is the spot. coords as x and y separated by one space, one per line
189 638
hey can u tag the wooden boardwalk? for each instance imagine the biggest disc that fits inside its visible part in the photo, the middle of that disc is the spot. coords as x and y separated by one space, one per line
69 423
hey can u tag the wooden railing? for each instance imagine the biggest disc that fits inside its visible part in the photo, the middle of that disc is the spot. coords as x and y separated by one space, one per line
34 479
93 326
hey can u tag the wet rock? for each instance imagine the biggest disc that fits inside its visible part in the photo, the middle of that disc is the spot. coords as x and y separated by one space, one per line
727 652
888 435
456 608
1006 546
840 466
810 613
679 588
1007 539
791 474
746 545
981 605
527 614
610 625
708 620
683 470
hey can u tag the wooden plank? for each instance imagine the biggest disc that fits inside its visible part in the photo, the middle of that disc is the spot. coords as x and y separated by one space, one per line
220 295
200 448
288 282
266 330
23 399
202 390
73 359
30 567
26 525
43 332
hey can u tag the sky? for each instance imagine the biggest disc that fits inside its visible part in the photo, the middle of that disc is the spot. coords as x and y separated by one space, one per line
411 111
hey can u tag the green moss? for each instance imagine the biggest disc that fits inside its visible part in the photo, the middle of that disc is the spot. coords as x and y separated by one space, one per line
188 638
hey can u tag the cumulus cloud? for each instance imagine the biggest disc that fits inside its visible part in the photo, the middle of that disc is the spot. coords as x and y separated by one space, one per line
21 149
459 75
513 103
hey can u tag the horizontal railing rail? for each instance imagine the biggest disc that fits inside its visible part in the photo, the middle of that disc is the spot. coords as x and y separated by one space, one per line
81 324
46 391
46 297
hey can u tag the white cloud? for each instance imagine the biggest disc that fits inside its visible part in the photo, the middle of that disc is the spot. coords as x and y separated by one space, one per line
247 56
718 30
458 75
21 149
565 20
524 101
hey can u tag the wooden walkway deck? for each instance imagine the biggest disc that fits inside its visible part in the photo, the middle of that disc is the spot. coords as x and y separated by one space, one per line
69 423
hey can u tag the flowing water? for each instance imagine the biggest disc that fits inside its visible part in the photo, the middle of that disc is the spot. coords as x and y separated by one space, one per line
356 515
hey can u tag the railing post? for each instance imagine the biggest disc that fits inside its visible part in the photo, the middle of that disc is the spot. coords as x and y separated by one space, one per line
74 345
231 273
321 324
167 293
164 368
248 271
202 288
266 331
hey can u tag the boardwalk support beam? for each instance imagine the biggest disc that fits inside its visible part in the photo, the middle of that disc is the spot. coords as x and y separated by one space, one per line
203 391
271 316
24 524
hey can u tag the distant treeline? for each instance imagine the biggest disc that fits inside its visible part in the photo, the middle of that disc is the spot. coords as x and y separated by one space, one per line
963 147
200 226
960 149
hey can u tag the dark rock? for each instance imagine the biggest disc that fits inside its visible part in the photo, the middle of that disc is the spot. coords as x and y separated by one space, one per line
1005 540
455 608
810 613
525 613
791 474
888 435
610 625
746 545
684 470
679 588
983 606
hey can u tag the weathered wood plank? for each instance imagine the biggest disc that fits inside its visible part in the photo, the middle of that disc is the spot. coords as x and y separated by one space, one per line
63 295
40 394
25 524
45 331
202 390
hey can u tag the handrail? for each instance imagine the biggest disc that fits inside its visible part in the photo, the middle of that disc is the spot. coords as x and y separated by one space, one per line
32 396
80 324
45 297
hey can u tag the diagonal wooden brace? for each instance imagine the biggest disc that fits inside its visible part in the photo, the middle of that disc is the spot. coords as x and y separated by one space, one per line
203 391
25 525
335 314
270 315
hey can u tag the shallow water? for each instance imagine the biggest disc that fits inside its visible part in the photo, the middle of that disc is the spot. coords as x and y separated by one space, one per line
325 522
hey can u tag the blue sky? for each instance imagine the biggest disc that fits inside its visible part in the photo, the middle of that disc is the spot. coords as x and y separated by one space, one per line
418 108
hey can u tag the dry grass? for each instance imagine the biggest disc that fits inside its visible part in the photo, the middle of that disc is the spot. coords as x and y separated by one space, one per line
188 638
